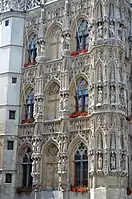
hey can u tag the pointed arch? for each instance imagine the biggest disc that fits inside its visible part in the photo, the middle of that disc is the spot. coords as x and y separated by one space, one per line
53 37
52 26
52 100
78 94
74 80
78 162
24 166
111 10
99 10
49 165
49 83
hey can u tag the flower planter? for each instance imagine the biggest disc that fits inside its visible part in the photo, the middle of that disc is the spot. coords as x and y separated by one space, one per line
29 64
74 53
26 190
83 51
81 189
77 114
27 121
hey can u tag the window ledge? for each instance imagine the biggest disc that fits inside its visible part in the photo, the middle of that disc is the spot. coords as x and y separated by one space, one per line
26 190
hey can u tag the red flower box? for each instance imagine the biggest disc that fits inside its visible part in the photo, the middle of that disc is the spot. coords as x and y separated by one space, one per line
33 63
28 64
27 121
25 65
129 118
79 189
83 51
74 53
77 114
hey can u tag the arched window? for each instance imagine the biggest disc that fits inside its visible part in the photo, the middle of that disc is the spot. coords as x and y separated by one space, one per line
27 169
52 107
32 48
111 10
81 165
82 36
82 96
29 104
54 47
99 12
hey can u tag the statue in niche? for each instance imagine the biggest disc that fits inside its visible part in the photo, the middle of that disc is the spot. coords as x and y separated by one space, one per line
66 96
123 162
64 144
121 96
37 166
100 162
99 96
113 95
40 105
61 102
64 164
100 30
112 29
113 161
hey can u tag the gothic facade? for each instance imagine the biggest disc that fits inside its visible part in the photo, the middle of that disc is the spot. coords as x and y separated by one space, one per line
70 116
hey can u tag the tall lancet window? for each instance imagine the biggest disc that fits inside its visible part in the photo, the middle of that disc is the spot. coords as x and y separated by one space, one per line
29 104
81 165
82 36
111 10
82 96
27 169
32 48
99 11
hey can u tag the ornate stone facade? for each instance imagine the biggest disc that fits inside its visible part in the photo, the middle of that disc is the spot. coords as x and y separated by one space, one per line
81 78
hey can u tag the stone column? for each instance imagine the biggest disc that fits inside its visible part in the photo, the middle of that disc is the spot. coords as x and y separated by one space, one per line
63 163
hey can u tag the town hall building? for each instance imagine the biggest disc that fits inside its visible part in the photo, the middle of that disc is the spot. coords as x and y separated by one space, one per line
65 99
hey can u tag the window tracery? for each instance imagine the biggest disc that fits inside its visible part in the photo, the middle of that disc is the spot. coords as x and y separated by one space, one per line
82 34
27 169
81 165
82 96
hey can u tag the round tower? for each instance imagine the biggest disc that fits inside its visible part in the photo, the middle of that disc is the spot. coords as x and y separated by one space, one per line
108 100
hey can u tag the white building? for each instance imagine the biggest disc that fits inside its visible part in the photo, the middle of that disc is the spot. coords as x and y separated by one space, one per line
66 99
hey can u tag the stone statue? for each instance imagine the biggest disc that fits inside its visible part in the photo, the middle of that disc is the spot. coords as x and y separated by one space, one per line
40 106
100 30
113 95
123 162
99 99
113 161
112 30
66 96
121 97
100 162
